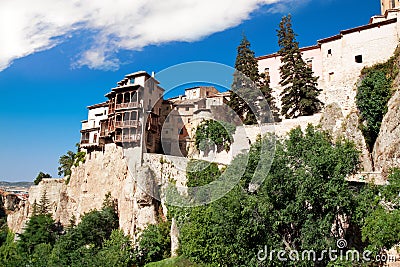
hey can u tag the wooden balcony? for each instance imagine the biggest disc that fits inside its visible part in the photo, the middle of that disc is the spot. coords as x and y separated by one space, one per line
127 138
104 133
130 123
127 105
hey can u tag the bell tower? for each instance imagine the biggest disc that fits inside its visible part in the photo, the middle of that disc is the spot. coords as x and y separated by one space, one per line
389 4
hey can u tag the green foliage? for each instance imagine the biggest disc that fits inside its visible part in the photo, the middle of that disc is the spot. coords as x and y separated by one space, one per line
381 227
95 241
84 241
155 243
247 84
10 255
200 172
79 157
44 203
40 229
117 251
295 208
68 160
173 262
371 99
212 132
40 177
300 93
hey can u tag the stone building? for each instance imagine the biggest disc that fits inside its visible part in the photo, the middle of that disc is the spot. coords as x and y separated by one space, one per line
131 112
91 127
138 101
183 114
337 60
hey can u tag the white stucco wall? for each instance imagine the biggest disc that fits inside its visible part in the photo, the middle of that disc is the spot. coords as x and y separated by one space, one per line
337 71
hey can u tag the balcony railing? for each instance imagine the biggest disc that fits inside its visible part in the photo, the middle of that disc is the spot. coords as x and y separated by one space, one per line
127 105
130 123
127 138
85 141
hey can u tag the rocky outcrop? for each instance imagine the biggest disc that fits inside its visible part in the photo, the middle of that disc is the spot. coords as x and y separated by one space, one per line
135 188
332 118
351 130
386 153
332 121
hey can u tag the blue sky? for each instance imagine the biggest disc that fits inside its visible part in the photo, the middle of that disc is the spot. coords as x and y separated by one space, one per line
52 67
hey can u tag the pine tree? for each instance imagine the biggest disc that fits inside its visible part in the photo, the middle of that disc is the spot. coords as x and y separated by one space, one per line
300 93
44 203
247 82
34 208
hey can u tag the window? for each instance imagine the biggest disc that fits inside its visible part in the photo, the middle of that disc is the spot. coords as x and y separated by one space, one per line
180 131
393 3
329 51
266 73
187 108
132 81
331 76
188 120
358 59
309 63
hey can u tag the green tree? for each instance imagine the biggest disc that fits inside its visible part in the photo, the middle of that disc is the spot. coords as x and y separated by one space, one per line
371 99
212 132
82 242
247 83
300 93
155 243
10 255
117 251
70 159
40 229
66 162
381 227
44 204
40 177
302 196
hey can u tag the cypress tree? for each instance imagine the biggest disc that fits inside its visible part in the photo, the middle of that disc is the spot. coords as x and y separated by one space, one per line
300 93
247 82
44 203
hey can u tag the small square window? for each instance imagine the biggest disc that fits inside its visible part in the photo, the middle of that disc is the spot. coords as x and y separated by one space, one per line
358 59
329 51
309 63
187 108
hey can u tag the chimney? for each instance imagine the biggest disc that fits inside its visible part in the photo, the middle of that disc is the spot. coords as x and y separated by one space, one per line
153 74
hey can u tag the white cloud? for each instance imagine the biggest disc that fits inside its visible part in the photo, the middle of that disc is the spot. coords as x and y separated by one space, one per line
28 26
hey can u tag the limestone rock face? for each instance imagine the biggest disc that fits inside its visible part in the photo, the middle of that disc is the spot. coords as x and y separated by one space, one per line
332 121
51 187
136 189
386 153
332 118
11 202
351 131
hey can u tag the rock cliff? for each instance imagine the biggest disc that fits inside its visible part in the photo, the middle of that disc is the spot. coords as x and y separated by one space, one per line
134 189
386 153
